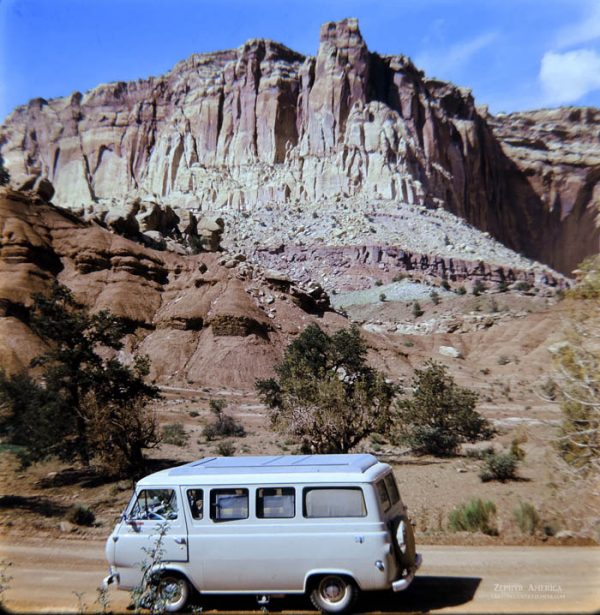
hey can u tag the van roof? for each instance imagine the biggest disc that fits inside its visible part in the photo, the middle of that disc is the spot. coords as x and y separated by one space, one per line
226 470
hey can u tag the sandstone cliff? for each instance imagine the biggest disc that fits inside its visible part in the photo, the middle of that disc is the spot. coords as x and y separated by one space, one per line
198 319
261 124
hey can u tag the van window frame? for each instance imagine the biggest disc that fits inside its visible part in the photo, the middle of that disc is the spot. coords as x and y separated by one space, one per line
273 487
203 492
174 497
212 503
307 489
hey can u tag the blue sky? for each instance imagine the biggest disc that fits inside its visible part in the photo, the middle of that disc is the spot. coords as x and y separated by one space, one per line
513 54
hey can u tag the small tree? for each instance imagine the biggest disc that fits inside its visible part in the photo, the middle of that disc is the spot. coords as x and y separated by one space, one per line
326 394
85 406
440 415
578 377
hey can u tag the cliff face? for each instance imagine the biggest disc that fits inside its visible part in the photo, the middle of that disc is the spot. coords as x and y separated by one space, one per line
262 124
198 319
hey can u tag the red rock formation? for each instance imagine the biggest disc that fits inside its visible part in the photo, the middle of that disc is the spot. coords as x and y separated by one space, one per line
197 320
262 123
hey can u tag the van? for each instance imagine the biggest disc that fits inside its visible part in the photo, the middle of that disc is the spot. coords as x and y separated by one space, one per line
329 526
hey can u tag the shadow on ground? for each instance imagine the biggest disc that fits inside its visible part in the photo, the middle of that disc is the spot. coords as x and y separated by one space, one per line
39 505
426 593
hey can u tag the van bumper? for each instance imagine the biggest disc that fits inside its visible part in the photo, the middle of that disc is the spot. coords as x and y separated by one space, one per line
113 577
402 584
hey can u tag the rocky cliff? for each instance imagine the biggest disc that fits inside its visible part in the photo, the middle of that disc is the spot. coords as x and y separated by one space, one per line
199 318
262 125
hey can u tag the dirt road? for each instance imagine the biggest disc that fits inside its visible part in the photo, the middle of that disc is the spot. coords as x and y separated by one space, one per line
60 576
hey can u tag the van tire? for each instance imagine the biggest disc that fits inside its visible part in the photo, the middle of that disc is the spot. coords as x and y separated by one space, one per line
177 590
333 593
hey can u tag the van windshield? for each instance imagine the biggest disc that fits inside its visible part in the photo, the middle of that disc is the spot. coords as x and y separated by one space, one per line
155 505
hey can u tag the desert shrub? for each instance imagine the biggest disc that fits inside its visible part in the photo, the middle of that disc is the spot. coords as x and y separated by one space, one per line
399 277
174 433
549 389
515 447
500 467
478 288
81 515
474 516
223 425
440 415
382 297
225 449
527 518
502 286
503 360
435 297
326 395
194 413
522 286
445 285
461 290
417 310
378 282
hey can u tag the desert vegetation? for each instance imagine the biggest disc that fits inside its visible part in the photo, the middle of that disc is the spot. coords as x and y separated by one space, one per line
439 415
325 393
75 404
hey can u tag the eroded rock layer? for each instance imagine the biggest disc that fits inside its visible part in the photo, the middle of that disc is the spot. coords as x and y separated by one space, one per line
198 320
262 124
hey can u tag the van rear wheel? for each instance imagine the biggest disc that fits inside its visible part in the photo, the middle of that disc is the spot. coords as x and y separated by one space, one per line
173 592
334 594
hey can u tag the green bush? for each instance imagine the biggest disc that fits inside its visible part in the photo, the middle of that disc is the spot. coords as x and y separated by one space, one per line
225 449
527 518
478 288
378 282
522 286
382 297
500 467
417 310
175 434
81 515
461 290
223 425
440 415
474 516
399 277
435 297
445 285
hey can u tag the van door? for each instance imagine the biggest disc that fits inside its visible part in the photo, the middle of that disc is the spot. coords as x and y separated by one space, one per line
154 521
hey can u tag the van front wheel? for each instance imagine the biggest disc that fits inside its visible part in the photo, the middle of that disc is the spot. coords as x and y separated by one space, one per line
334 594
173 592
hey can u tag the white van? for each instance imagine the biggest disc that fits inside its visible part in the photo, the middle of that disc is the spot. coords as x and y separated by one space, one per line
326 525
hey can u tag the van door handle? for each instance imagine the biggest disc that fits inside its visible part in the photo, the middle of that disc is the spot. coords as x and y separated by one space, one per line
180 541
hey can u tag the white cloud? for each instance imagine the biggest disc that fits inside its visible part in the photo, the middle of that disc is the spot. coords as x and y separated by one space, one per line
443 62
566 77
582 32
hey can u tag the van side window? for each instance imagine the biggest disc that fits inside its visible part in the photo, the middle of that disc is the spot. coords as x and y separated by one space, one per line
275 503
392 488
382 493
322 502
196 500
155 505
228 504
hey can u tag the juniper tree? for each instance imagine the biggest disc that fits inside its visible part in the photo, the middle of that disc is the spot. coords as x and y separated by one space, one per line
84 404
326 394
